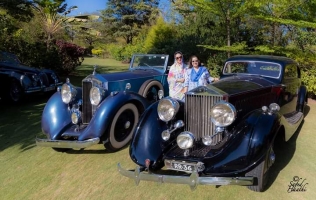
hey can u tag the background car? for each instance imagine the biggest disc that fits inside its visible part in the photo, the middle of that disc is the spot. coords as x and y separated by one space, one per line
229 132
18 79
106 108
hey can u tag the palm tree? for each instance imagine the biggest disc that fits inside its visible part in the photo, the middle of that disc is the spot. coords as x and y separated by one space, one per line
52 15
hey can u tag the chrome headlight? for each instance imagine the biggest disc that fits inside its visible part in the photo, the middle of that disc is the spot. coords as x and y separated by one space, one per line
223 114
68 93
76 117
185 140
96 95
167 109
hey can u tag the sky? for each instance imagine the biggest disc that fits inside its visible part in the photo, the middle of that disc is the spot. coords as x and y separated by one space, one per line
86 6
91 6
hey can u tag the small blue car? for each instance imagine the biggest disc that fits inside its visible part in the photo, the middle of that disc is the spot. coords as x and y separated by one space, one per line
106 108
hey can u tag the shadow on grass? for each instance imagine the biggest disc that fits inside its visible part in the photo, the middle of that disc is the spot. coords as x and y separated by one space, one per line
92 151
284 154
20 123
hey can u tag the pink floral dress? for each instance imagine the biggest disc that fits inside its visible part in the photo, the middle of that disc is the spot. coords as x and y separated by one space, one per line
175 88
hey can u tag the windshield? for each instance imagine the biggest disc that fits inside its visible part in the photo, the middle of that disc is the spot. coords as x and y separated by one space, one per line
149 61
253 67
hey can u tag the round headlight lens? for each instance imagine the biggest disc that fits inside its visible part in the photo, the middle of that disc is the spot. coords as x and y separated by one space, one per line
167 109
96 95
185 140
68 93
223 114
75 117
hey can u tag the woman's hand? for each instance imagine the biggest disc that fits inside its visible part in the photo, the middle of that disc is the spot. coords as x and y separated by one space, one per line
180 80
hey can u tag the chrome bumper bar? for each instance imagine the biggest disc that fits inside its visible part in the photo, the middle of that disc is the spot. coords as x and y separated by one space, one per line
193 180
67 143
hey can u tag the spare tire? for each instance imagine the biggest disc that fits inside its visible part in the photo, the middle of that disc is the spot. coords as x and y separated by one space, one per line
150 89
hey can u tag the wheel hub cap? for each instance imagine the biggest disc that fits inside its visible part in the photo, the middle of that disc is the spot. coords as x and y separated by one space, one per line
127 124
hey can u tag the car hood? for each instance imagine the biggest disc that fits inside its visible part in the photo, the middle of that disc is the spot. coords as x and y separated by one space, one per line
132 74
238 84
18 67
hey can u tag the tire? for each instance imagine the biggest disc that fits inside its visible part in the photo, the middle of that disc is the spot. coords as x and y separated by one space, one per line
122 127
150 89
261 173
15 91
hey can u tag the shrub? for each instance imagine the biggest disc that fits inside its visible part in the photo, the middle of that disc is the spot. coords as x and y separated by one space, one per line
70 54
115 51
97 52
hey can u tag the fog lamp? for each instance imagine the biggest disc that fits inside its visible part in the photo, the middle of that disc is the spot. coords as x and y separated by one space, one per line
207 140
185 140
75 117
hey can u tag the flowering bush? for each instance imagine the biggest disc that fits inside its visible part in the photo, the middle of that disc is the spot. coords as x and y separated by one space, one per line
71 56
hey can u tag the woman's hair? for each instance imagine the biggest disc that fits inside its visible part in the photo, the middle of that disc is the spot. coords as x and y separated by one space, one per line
177 52
190 61
174 55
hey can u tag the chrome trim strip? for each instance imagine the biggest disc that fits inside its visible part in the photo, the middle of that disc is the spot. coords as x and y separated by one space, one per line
193 180
67 143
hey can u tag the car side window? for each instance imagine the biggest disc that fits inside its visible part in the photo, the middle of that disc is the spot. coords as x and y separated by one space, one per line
291 71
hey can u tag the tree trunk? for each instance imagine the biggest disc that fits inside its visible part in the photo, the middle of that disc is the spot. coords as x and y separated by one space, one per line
228 31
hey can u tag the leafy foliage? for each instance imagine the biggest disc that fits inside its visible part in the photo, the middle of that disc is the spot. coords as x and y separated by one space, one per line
70 54
160 38
126 18
51 20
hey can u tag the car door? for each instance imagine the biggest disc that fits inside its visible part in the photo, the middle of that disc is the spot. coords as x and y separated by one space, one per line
291 82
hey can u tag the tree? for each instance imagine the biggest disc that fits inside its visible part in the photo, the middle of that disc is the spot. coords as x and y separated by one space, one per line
50 14
225 11
18 9
125 18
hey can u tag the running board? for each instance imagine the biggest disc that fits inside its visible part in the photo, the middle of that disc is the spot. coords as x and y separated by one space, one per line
293 117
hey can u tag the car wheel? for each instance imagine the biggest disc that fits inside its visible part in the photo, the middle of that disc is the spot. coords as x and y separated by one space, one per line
261 172
150 89
15 91
122 127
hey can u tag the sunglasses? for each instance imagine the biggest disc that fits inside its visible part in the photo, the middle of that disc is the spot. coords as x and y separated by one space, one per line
180 57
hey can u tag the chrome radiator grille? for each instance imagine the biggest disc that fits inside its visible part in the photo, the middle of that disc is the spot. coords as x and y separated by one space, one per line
87 107
197 115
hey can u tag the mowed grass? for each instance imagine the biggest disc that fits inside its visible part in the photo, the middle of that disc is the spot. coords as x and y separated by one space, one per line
103 66
31 172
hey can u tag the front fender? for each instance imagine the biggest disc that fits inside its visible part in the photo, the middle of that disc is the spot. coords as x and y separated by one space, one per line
264 129
147 142
107 110
248 146
55 117
301 98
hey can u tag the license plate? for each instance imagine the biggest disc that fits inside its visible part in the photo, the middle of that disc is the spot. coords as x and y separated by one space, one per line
49 88
180 166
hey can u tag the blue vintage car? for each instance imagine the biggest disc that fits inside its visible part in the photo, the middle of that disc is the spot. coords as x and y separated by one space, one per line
227 133
106 108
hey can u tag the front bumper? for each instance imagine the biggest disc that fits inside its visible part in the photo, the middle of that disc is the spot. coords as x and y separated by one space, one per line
193 180
70 144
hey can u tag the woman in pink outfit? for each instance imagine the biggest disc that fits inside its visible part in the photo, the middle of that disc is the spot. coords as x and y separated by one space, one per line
176 77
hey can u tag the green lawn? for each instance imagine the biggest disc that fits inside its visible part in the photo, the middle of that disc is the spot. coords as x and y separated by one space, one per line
103 66
31 172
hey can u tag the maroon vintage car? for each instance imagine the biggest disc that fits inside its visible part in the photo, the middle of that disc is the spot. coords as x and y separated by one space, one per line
226 133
